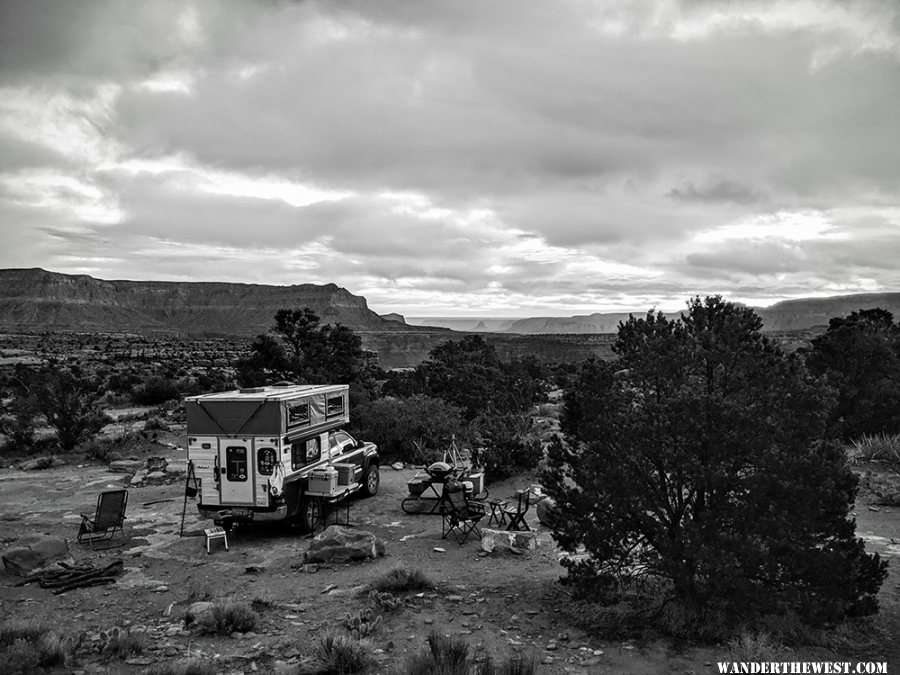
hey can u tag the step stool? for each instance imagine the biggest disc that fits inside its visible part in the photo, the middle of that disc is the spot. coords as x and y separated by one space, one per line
215 533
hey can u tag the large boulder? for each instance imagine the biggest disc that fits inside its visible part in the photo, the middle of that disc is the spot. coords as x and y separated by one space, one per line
32 552
340 544
200 615
544 508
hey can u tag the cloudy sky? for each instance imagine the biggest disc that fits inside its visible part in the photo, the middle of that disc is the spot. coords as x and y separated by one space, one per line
491 158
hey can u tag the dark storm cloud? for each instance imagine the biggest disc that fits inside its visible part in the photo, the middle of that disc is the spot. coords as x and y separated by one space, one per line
535 143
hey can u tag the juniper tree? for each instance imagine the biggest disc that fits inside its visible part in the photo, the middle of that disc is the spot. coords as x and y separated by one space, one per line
700 459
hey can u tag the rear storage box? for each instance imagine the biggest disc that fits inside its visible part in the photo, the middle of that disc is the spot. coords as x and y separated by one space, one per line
345 474
323 480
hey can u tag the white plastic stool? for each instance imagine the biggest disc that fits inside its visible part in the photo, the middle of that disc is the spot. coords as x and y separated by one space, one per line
216 533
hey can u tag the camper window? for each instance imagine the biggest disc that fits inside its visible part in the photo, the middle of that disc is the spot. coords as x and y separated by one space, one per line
305 452
334 405
298 414
265 461
236 463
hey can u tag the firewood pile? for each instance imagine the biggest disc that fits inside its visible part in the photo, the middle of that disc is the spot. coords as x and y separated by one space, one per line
75 576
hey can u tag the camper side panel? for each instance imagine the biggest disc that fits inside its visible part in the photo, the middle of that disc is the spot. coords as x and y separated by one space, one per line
203 452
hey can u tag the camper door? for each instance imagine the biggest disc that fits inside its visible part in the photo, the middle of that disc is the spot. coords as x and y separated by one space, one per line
235 468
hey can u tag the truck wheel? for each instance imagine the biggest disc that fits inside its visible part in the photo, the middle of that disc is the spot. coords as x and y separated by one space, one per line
372 481
310 514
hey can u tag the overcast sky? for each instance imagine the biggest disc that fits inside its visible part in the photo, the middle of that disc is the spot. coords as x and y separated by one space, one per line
458 158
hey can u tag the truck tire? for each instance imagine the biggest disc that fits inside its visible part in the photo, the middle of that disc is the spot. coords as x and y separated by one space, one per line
372 481
310 514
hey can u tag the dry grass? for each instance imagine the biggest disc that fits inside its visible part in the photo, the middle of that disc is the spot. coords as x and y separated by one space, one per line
192 666
751 646
401 579
448 655
877 448
339 654
30 647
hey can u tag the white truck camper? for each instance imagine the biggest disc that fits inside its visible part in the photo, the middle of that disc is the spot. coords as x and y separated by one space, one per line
272 453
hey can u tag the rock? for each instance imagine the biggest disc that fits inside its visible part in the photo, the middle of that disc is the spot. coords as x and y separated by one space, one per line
155 475
544 508
176 467
199 615
398 466
39 463
32 552
126 466
515 542
340 544
157 464
139 477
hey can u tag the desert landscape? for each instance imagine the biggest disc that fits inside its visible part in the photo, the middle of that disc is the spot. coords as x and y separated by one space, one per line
504 602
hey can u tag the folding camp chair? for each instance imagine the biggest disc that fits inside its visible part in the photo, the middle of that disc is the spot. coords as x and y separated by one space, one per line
516 515
458 514
110 516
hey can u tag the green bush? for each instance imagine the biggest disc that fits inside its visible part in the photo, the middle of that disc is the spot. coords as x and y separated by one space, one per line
155 390
401 427
509 446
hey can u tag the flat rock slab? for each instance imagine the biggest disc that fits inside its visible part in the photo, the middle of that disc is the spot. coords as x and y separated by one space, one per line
126 466
39 463
32 552
491 540
340 544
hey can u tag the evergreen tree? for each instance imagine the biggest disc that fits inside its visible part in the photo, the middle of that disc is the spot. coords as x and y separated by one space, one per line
860 356
701 461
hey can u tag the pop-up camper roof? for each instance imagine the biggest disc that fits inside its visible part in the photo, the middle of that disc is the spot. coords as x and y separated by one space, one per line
270 410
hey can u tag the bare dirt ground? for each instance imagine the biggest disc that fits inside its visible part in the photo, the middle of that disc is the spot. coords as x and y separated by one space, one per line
510 603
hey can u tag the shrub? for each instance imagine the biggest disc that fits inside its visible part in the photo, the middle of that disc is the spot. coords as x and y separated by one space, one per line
751 646
515 665
878 448
339 654
155 390
67 402
155 424
509 447
448 655
124 645
401 426
29 647
233 617
104 449
192 666
18 427
402 579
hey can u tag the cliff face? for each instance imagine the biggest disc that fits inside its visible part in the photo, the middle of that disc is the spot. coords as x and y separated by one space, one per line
34 299
813 312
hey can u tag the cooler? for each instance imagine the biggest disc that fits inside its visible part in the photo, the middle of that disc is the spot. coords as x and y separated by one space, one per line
323 480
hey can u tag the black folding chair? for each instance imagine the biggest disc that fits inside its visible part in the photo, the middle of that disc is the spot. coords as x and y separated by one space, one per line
458 514
516 516
109 517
